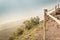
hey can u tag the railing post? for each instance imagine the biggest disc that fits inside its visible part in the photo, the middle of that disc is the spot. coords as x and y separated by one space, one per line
58 5
55 7
45 13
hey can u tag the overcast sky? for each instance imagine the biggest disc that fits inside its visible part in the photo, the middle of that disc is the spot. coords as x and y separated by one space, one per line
12 10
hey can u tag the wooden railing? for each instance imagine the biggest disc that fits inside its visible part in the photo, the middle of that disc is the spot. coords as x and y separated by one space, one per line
58 21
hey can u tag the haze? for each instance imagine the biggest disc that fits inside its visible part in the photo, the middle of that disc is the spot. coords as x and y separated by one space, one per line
13 10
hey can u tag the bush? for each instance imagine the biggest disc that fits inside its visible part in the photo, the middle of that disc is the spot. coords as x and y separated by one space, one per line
20 31
11 38
28 25
35 20
32 22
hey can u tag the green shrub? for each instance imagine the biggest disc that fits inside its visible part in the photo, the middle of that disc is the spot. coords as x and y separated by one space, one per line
35 20
20 31
11 38
28 25
32 22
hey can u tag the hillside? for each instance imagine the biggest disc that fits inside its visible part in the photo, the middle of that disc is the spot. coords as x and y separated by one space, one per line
7 29
33 29
35 34
52 30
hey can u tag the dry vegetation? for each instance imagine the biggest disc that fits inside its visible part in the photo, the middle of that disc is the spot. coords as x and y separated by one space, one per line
31 30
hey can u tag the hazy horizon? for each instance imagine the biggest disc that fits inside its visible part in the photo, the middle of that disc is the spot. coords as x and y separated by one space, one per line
13 10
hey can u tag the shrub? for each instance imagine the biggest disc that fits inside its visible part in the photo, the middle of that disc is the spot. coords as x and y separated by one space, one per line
35 20
11 38
20 31
32 22
28 25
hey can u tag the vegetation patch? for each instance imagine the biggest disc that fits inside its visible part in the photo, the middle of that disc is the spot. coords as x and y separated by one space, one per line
29 25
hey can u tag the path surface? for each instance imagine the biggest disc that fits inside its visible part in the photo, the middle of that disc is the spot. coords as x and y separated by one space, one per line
53 32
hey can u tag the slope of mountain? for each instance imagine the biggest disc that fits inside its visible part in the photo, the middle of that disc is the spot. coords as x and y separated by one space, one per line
52 29
7 29
35 33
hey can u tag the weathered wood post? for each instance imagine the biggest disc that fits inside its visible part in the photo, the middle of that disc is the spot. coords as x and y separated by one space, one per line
58 3
45 15
55 7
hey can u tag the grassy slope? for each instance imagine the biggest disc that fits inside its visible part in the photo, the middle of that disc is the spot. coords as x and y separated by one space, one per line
36 33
